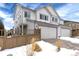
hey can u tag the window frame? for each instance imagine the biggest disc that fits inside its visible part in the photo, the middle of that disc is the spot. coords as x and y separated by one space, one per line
43 17
54 18
27 14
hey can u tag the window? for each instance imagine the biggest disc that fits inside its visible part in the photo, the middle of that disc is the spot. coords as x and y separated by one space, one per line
73 30
52 18
41 16
27 14
44 17
56 19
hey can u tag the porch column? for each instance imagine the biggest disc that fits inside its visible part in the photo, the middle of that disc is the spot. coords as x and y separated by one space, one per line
58 32
22 22
19 30
22 29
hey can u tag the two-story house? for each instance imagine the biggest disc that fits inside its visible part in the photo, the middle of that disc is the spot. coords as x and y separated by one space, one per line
45 18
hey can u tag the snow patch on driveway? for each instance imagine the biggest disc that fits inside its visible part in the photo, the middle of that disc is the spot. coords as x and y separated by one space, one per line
73 40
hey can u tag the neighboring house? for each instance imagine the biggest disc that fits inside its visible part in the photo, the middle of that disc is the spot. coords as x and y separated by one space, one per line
74 25
45 18
1 28
10 32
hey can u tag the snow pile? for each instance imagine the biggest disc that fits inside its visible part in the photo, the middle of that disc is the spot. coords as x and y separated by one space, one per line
73 40
18 51
47 50
50 50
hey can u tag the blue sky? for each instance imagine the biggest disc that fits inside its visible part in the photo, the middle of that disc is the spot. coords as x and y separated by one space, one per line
65 10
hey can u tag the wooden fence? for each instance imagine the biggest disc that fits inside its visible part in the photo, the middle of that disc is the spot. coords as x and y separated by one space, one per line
16 41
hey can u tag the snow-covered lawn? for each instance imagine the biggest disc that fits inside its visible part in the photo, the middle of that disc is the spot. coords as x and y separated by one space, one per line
47 50
73 40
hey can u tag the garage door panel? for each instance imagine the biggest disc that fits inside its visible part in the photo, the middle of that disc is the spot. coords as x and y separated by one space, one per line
65 33
48 33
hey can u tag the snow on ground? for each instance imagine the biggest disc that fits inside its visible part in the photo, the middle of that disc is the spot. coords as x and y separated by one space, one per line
73 40
18 51
47 50
50 50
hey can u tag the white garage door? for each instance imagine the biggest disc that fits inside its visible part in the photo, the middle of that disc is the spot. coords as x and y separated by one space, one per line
65 33
48 33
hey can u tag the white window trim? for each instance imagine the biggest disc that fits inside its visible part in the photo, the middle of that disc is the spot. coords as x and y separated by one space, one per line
43 17
27 13
54 19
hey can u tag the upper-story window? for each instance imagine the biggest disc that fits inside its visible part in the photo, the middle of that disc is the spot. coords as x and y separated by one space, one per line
54 19
27 14
44 17
41 16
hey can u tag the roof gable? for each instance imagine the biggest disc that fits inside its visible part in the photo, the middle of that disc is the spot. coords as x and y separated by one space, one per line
50 10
